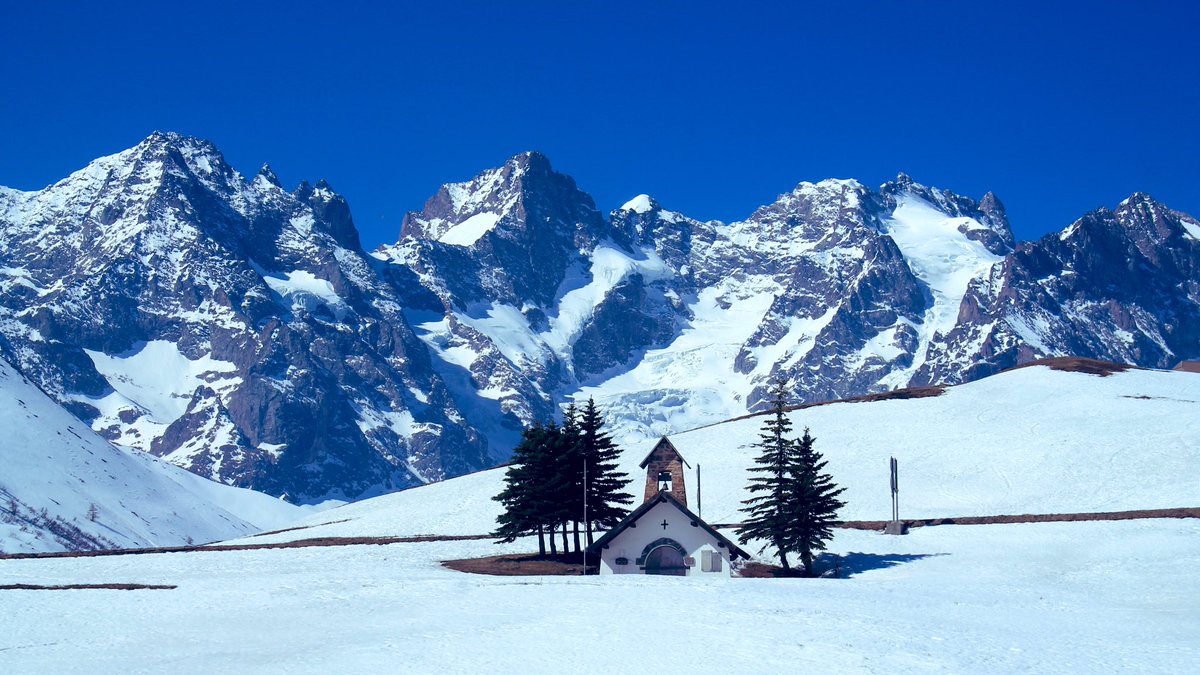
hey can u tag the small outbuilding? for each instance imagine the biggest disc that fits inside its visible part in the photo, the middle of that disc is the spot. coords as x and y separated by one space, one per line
662 536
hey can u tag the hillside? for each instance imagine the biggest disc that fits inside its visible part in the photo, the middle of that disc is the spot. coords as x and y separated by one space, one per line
62 487
1031 440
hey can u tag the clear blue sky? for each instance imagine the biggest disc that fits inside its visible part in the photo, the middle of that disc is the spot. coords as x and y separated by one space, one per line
713 108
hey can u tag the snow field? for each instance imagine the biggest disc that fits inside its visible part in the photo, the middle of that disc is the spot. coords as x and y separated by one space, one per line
139 499
1032 440
1102 597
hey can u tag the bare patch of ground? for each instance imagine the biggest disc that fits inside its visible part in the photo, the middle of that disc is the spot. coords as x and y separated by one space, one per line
1078 364
299 543
529 564
526 562
75 587
760 570
301 527
1185 512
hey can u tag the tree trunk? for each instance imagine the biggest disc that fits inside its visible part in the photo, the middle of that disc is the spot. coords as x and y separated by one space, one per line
784 561
553 550
541 542
807 559
566 546
589 533
576 527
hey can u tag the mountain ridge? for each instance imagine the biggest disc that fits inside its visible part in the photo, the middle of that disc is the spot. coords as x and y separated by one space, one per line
311 368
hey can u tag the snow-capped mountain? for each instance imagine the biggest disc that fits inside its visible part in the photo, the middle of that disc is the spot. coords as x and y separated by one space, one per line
62 487
240 330
234 328
671 322
1123 285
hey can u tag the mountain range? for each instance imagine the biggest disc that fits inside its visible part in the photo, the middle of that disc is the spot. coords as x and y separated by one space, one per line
241 331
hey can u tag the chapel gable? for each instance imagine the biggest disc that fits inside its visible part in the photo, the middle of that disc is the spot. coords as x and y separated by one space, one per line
664 472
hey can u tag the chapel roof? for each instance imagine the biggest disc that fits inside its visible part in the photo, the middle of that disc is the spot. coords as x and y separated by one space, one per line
734 550
657 445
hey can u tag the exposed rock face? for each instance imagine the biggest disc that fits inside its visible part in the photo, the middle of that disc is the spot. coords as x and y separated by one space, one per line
1119 285
240 331
234 328
672 322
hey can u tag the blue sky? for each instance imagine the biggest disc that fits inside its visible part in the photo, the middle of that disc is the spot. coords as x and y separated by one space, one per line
713 108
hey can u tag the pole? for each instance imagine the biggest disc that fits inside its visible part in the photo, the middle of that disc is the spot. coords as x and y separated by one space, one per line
895 527
699 504
585 513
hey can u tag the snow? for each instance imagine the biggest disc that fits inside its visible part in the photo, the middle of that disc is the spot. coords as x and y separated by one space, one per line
51 460
1191 228
1052 597
1032 440
690 381
301 288
609 267
470 230
940 256
159 379
508 330
639 204
1049 597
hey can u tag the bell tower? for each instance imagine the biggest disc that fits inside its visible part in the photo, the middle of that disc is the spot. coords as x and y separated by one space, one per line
664 472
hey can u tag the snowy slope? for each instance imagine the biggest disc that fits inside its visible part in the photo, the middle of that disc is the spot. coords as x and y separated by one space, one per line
941 255
1038 598
62 487
1032 440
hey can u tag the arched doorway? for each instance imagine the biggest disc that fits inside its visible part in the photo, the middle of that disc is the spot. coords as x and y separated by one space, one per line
666 560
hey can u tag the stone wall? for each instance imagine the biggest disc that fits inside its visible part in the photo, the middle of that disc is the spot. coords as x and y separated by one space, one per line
665 458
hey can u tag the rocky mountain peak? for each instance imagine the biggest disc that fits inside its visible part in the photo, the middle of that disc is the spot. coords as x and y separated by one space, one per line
524 194
531 161
308 369
641 204
267 174
984 221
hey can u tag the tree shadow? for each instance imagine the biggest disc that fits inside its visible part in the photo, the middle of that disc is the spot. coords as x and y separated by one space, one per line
846 565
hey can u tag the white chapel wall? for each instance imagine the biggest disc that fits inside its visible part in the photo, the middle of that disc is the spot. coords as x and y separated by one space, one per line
630 543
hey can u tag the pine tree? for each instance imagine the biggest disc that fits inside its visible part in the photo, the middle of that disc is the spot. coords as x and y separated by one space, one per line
528 506
605 485
770 508
566 485
795 504
816 505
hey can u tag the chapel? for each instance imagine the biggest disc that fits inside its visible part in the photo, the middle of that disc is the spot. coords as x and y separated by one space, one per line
662 536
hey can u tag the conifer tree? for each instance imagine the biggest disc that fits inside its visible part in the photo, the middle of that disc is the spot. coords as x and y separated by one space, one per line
528 504
795 504
567 484
816 504
770 507
605 485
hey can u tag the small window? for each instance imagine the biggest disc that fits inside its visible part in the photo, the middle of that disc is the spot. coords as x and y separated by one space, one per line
710 561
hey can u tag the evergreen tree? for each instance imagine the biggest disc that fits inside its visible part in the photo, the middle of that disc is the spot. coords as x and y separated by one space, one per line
605 485
795 504
528 505
770 508
545 487
816 504
567 483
